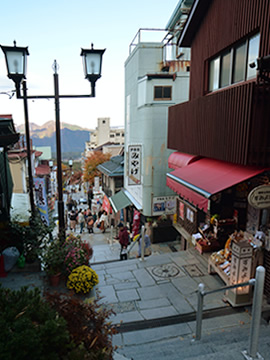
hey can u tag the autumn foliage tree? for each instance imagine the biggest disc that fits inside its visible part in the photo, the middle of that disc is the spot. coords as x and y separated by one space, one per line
90 165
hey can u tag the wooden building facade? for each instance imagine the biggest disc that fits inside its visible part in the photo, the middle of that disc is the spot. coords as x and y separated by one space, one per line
226 122
230 123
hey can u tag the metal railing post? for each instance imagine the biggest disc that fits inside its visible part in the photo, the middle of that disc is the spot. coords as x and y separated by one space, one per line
111 236
142 244
256 315
199 311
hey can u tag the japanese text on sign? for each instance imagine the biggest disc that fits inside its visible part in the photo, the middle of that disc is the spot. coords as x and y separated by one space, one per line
134 165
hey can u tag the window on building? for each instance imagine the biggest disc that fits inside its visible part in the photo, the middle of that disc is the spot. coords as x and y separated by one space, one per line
111 135
232 66
117 134
239 66
253 52
214 74
162 93
225 69
123 134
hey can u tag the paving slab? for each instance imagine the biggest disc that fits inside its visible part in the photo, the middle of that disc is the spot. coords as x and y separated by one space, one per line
125 317
127 295
108 294
143 277
160 312
150 304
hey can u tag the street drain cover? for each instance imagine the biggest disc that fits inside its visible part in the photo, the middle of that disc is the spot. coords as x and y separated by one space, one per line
165 271
193 270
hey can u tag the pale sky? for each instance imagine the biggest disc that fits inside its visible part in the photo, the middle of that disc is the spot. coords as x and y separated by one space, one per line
58 29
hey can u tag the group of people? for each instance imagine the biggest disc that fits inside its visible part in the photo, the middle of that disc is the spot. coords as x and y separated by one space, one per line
85 218
124 240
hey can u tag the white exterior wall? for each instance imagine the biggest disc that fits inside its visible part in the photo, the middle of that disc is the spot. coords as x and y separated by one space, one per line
146 122
103 133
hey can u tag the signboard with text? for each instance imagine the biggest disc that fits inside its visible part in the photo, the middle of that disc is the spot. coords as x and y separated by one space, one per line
164 205
134 164
41 199
260 197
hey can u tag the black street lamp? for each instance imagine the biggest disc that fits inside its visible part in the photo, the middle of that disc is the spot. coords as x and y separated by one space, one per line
51 179
16 67
70 163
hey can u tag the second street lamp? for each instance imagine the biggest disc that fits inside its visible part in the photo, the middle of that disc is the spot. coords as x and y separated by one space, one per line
70 163
16 67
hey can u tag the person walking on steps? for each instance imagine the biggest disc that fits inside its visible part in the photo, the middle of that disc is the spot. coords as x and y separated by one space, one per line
81 220
72 218
90 223
123 237
103 221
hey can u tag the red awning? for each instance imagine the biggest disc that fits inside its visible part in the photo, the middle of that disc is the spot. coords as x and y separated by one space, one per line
197 181
177 160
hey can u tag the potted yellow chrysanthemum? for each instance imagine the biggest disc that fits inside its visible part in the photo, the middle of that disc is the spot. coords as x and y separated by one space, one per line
82 279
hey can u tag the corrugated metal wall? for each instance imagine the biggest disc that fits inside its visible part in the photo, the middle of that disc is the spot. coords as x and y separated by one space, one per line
223 126
232 124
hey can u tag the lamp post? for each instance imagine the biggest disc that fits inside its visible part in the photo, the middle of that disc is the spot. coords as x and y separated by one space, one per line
16 67
70 163
51 176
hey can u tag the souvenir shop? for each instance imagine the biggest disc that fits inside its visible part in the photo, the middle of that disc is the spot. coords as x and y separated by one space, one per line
230 228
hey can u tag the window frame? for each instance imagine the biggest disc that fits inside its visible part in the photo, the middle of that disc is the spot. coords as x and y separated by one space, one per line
232 51
162 98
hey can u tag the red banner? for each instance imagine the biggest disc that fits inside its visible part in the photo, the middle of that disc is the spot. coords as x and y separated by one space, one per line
106 205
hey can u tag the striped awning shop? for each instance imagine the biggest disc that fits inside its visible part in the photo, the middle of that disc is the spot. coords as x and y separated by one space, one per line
119 201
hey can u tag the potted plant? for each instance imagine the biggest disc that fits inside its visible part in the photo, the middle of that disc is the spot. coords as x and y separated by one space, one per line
76 253
82 280
53 261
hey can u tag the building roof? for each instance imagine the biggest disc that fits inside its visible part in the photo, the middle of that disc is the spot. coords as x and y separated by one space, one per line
8 134
193 22
38 153
42 170
178 11
113 167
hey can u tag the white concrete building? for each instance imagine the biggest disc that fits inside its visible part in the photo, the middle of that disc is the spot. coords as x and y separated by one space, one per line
103 134
156 77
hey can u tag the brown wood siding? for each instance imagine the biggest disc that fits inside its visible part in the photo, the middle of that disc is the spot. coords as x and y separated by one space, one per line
226 22
223 126
259 143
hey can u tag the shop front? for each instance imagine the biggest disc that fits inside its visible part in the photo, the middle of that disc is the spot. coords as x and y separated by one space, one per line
223 211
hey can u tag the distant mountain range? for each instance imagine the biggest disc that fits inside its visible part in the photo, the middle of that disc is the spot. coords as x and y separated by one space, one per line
73 137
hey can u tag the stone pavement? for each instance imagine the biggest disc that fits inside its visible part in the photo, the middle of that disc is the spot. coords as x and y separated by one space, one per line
155 304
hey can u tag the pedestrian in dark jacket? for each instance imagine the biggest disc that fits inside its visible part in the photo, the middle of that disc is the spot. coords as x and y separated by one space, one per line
123 237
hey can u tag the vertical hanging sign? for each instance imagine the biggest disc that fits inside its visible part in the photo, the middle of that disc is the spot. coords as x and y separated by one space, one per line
134 164
41 199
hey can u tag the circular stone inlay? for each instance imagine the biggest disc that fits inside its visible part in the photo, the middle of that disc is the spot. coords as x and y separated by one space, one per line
166 271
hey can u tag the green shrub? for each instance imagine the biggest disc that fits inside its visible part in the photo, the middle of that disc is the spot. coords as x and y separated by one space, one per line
87 324
30 328
57 327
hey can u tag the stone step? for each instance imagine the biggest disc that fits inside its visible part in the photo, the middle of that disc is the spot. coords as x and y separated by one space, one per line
223 344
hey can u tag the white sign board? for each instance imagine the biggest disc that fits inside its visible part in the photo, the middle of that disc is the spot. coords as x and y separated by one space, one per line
96 184
164 205
134 164
259 197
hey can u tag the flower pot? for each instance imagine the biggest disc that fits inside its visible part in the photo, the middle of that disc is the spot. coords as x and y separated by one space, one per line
54 280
